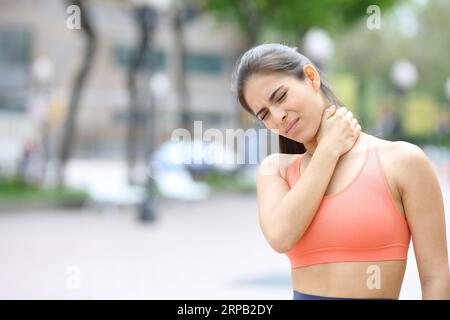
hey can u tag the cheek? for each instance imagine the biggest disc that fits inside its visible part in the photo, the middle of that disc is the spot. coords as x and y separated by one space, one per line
312 118
308 101
313 100
311 111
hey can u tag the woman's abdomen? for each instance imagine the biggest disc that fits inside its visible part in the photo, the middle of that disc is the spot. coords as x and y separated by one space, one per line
376 279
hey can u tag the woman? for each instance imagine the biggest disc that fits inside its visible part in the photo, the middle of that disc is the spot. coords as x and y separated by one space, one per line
342 204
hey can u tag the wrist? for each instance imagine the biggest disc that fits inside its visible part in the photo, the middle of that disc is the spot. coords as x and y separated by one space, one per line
328 151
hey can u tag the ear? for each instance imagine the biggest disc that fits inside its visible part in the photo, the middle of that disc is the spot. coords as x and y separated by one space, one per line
312 76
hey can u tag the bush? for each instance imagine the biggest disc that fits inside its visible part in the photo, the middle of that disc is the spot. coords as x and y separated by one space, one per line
229 182
15 189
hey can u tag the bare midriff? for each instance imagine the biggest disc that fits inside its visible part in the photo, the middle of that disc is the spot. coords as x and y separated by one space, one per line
377 279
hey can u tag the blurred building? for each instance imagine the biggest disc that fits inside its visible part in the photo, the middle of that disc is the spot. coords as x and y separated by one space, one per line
32 31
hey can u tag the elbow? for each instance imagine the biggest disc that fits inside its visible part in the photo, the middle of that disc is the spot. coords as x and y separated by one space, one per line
281 245
436 290
281 249
280 238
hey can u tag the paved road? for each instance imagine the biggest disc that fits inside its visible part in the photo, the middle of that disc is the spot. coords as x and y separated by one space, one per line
206 250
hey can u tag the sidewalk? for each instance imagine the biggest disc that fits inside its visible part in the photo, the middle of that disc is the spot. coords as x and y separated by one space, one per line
205 250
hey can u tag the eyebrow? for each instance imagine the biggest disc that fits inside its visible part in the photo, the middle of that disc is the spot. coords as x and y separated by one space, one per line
272 96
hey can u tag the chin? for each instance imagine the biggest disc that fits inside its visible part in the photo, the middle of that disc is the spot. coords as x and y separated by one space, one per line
303 137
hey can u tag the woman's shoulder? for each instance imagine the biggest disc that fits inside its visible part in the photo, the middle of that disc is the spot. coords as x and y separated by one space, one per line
400 158
278 163
397 150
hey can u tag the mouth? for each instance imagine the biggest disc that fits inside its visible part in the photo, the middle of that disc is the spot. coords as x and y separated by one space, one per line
292 125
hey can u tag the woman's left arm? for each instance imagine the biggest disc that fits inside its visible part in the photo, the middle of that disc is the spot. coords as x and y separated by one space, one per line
424 208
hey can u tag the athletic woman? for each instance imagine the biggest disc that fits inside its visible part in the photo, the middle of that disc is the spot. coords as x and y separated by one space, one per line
343 205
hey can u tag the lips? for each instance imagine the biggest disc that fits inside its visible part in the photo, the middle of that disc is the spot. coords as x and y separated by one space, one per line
291 124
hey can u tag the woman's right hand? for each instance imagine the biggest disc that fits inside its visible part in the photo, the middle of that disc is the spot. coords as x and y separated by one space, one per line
338 130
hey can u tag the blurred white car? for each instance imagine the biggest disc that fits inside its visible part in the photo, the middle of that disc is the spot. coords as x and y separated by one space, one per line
197 156
173 162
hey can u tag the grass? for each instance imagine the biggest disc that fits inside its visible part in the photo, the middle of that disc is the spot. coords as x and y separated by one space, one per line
15 190
235 183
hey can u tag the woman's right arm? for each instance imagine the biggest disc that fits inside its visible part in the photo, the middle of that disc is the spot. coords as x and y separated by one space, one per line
285 214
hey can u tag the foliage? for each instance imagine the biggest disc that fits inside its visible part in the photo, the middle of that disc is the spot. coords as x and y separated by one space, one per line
292 18
229 182
15 189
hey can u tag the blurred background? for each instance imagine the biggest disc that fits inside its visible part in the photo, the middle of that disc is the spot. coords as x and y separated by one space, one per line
98 201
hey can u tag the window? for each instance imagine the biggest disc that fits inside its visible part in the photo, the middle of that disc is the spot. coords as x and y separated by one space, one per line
14 68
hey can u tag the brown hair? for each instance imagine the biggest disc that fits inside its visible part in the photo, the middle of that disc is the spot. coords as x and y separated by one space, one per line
279 58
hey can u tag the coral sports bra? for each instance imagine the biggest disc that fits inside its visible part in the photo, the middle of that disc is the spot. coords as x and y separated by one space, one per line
359 223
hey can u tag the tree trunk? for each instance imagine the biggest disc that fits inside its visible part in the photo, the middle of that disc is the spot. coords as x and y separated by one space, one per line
135 107
361 108
252 31
69 128
179 71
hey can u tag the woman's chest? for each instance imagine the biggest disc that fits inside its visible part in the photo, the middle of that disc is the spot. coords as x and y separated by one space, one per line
348 173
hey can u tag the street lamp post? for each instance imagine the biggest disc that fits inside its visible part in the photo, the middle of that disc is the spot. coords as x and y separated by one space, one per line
146 17
444 123
43 72
318 47
447 89
404 77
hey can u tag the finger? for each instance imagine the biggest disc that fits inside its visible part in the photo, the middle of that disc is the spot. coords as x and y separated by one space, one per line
329 112
342 110
349 115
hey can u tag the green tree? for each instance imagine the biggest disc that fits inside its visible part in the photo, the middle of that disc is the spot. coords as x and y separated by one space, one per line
292 19
370 54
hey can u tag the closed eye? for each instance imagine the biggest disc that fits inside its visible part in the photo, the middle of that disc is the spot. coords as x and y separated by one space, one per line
282 96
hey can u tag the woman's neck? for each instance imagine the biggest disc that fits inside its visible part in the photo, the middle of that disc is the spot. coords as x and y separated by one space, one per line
312 145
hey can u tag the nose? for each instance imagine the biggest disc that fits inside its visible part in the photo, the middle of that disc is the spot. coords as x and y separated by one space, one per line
279 116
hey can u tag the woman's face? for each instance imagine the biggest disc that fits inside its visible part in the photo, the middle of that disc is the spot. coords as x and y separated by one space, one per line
279 99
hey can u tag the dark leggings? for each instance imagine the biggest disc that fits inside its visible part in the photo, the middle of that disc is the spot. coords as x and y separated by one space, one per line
303 296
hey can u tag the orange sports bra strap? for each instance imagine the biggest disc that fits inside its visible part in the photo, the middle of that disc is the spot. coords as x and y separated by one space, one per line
293 171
